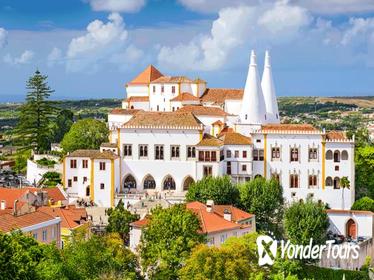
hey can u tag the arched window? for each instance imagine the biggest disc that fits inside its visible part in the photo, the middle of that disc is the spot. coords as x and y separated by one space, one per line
344 155
351 229
336 183
329 154
132 107
329 181
187 182
336 156
149 183
129 182
169 183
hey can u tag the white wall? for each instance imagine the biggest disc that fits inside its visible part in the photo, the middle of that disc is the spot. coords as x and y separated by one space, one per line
364 222
137 90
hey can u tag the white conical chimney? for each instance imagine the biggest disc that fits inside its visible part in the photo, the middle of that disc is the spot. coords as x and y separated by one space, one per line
268 90
253 109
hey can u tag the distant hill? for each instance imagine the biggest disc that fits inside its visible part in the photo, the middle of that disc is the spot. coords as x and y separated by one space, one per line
360 101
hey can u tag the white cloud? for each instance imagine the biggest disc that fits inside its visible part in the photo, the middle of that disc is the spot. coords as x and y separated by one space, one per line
100 42
358 27
54 57
236 28
24 58
117 5
3 37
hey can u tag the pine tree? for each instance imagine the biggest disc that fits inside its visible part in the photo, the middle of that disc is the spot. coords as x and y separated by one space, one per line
33 130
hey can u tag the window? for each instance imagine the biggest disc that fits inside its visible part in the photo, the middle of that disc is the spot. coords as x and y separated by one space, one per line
236 154
228 154
329 181
169 183
294 154
258 154
312 180
102 186
344 155
329 155
44 235
85 163
207 171
213 156
228 168
223 237
159 154
158 107
53 233
191 152
294 181
127 150
258 141
174 152
313 155
244 167
84 179
154 89
143 151
275 153
162 89
207 155
35 235
275 176
70 183
293 194
336 156
75 179
244 154
173 89
211 241
102 165
336 167
73 163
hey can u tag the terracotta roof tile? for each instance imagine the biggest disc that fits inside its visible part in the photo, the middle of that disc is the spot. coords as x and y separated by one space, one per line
185 96
164 120
137 99
210 141
148 75
9 195
172 79
199 110
218 122
9 222
71 217
219 95
336 135
237 214
140 223
95 154
109 145
289 127
119 111
55 194
234 138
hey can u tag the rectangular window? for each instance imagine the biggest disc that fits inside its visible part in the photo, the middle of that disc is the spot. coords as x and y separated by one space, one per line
102 165
228 154
223 237
174 152
154 89
84 179
275 153
213 156
294 154
127 150
102 186
162 89
73 163
201 156
207 171
207 156
294 181
70 183
143 151
313 154
312 180
159 152
173 89
191 152
53 233
244 154
244 167
75 179
228 168
85 163
258 154
35 235
236 154
45 235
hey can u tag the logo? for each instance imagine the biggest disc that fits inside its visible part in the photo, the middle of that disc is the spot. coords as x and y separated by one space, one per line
268 247
267 250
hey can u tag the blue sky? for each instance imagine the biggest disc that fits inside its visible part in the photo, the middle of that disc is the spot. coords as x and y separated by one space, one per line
91 48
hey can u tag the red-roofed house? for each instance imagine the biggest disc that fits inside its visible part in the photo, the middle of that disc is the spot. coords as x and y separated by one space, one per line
218 222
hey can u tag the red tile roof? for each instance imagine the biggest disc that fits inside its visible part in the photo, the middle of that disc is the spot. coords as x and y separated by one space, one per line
9 222
140 223
137 99
199 110
336 135
234 138
55 194
9 195
289 127
119 111
172 79
219 95
71 217
185 96
210 141
218 123
148 75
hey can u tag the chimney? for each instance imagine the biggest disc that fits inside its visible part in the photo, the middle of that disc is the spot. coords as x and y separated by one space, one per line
15 207
3 205
227 215
209 206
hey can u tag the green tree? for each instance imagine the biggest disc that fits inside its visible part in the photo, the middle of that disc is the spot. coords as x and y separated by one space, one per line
51 179
364 162
119 221
264 199
306 220
167 241
220 189
85 134
21 161
64 120
365 203
344 184
33 129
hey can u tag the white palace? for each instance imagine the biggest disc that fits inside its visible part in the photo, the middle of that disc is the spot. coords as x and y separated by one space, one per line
173 130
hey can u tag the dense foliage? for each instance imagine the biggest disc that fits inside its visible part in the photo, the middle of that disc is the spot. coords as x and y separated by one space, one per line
119 221
51 179
219 189
306 220
365 203
265 200
85 134
167 241
364 161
